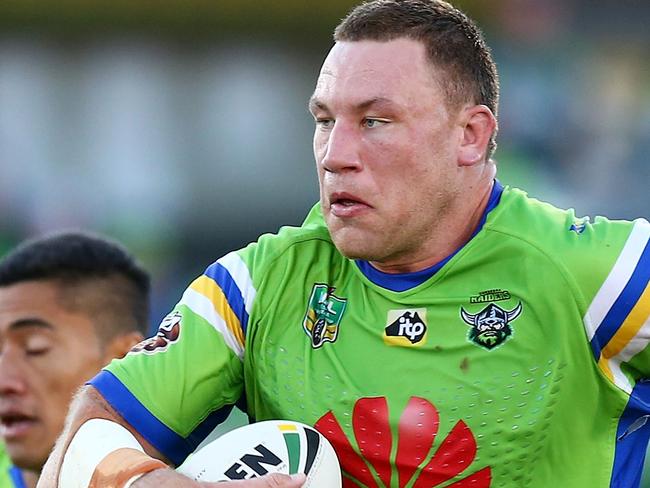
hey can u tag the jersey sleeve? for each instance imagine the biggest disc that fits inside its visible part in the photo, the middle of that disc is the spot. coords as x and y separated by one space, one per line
617 319
176 386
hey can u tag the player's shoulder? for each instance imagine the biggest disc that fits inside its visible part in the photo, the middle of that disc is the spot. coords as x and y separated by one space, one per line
588 248
289 246
557 230
312 233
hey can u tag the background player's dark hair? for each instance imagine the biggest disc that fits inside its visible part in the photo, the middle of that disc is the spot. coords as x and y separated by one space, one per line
97 276
453 41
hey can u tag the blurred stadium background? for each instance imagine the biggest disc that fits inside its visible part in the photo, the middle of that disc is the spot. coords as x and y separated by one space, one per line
180 128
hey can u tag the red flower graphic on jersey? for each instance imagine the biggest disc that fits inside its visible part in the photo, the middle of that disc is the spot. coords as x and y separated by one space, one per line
417 430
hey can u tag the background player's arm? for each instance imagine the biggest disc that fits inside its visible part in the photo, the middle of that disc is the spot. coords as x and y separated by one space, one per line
90 404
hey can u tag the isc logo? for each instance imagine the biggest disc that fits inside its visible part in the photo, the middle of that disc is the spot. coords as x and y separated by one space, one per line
251 465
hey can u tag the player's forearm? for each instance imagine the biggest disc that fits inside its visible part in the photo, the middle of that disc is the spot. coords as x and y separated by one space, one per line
84 433
164 478
87 405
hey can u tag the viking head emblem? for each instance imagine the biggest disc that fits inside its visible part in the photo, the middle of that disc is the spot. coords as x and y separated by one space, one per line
491 326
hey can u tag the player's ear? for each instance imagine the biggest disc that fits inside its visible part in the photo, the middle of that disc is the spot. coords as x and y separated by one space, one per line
119 345
478 123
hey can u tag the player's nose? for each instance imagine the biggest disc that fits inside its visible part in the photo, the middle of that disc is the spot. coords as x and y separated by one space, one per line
12 380
341 149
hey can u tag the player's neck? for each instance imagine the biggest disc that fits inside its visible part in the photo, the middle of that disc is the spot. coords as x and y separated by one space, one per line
458 228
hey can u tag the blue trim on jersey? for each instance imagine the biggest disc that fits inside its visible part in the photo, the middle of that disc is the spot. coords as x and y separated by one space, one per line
623 304
406 281
16 476
169 443
632 437
399 281
233 294
135 413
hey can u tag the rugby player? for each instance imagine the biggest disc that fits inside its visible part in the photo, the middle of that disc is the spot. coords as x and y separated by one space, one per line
69 303
439 327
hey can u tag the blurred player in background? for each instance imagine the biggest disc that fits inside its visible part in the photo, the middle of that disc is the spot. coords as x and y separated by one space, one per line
439 328
69 303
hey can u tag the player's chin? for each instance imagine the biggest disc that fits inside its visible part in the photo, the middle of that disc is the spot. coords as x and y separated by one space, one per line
29 452
28 457
354 243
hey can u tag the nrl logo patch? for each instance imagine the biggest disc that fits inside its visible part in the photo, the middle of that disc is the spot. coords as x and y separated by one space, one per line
491 326
323 316
168 332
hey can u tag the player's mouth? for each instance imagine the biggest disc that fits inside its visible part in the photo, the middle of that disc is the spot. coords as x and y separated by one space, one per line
345 205
15 424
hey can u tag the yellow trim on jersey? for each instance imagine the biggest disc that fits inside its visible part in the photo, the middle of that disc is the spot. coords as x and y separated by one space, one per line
630 327
208 288
603 364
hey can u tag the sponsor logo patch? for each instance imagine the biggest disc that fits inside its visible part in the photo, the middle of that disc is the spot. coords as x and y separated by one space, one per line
323 316
491 326
406 327
169 332
414 461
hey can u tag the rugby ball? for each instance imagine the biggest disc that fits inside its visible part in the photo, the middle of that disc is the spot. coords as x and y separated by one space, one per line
272 446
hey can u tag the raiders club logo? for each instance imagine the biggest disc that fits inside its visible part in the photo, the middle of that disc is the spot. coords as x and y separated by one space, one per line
168 333
491 326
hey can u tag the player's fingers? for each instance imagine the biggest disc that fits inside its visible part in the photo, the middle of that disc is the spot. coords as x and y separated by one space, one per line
273 480
277 480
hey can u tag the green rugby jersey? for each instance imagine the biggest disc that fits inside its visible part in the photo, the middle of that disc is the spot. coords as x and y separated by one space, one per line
519 361
5 464
10 476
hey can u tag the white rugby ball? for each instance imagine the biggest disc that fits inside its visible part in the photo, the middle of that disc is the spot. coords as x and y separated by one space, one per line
272 446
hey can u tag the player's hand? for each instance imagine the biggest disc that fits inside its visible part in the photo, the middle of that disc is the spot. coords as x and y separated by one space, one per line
273 480
168 478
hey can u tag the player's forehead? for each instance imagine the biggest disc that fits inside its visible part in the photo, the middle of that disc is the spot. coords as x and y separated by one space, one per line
354 72
38 306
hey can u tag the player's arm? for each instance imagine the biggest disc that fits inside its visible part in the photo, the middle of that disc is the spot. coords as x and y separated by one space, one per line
616 319
103 457
88 404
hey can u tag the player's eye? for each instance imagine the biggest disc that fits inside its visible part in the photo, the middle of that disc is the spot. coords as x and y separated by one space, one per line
371 123
41 351
36 346
324 123
37 351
